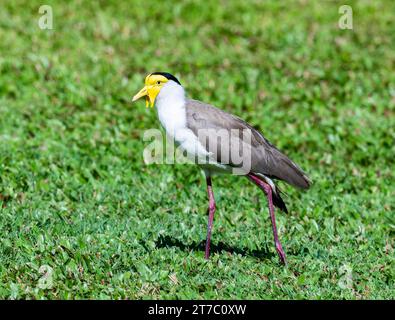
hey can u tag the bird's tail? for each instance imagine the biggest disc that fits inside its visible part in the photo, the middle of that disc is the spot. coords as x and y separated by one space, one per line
278 201
276 192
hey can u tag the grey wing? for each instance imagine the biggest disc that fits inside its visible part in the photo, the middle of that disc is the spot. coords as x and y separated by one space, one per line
263 157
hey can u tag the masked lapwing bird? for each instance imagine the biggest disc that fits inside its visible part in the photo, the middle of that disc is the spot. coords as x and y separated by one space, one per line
220 142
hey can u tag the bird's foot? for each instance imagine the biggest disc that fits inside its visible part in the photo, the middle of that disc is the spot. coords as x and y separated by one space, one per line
281 253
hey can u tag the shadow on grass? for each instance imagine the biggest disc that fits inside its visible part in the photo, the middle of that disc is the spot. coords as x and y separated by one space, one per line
166 242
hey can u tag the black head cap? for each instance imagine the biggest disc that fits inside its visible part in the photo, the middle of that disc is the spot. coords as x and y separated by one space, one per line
167 76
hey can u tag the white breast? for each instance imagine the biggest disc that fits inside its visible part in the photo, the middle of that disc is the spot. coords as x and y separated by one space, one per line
170 104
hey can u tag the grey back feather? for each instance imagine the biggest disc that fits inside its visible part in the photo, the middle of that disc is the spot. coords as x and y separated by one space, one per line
266 159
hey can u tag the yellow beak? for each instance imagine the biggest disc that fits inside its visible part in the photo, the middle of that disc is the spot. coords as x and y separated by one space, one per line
143 93
150 92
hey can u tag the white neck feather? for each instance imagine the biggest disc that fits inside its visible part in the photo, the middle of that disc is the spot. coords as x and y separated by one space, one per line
170 104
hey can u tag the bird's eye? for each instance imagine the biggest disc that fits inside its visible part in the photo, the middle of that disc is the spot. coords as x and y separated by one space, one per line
157 82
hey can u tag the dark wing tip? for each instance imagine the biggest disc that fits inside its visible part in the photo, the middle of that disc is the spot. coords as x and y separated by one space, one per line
294 175
306 182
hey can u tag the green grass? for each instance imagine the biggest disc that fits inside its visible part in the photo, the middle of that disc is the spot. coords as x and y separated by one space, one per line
82 216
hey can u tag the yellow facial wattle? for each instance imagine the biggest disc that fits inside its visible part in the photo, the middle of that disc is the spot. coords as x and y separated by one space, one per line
153 85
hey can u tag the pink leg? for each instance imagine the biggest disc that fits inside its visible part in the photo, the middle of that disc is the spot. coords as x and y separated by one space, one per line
268 191
211 210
